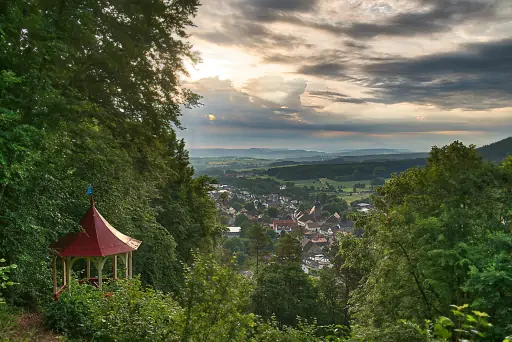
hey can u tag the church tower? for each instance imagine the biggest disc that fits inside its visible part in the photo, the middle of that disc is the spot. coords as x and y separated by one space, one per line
317 208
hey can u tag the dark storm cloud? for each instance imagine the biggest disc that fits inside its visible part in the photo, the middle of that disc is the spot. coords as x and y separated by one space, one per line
322 69
433 16
478 77
282 5
336 97
274 123
441 17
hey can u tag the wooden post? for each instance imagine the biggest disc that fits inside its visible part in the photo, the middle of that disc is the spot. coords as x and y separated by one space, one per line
68 264
130 265
114 271
64 277
100 272
88 269
54 274
126 274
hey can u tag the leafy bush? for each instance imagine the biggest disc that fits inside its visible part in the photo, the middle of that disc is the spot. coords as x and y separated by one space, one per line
127 313
73 313
4 278
133 313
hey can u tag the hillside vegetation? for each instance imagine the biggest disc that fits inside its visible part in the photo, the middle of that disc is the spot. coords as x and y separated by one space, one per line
344 172
497 151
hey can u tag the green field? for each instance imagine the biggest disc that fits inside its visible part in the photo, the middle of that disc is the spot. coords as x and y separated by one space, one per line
321 186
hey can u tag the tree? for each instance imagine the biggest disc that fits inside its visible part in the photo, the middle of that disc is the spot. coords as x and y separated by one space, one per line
214 298
240 219
272 212
288 249
250 207
332 297
289 184
224 198
378 181
83 101
428 235
284 290
258 240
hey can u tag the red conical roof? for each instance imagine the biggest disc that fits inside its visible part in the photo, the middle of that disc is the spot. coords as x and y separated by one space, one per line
97 238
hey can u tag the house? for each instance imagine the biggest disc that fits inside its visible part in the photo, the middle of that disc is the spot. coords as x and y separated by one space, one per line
346 226
333 219
320 241
311 226
310 249
232 231
302 218
286 225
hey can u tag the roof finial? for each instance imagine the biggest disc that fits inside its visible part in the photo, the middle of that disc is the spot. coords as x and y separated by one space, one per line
89 192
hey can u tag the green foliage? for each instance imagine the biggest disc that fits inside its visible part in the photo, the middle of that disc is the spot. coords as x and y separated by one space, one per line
237 247
250 207
133 313
288 249
90 93
497 151
438 237
214 300
4 278
258 242
333 295
73 314
284 291
272 212
356 171
378 181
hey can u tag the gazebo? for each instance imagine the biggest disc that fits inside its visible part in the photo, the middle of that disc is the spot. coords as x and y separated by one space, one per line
96 241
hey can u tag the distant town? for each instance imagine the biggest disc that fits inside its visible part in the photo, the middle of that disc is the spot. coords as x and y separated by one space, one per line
281 214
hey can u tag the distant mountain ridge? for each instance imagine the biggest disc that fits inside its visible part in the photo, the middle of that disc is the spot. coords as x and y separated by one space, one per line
496 151
270 153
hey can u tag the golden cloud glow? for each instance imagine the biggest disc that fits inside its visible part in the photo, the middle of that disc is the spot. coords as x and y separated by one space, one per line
211 117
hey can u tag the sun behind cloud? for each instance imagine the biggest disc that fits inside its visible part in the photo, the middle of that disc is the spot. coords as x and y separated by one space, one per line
211 117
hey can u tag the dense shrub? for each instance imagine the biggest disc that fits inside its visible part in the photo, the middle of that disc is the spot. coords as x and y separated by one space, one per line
126 312
73 313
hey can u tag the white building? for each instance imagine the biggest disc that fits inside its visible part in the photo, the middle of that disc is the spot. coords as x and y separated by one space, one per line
232 231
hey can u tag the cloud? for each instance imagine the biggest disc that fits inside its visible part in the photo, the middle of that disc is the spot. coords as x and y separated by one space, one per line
236 112
338 97
282 5
322 69
440 16
248 35
426 17
476 78
404 59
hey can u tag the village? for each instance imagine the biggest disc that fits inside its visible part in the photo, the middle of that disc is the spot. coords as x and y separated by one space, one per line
317 230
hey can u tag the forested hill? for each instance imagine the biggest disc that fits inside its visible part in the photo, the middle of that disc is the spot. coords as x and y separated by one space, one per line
368 167
345 172
497 151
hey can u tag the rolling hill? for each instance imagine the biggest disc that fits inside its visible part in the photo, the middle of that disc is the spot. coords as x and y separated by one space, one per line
496 151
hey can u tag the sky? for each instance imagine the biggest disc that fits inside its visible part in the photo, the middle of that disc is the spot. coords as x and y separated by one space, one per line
346 74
